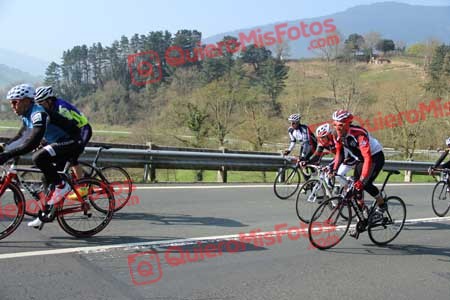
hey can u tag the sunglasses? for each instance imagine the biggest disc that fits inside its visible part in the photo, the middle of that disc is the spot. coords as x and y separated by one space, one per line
14 102
338 124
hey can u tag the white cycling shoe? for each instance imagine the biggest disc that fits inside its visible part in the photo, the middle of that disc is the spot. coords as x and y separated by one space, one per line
59 193
35 223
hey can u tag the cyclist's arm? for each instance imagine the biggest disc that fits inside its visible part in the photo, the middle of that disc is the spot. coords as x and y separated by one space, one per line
317 155
339 158
292 139
31 142
441 159
18 135
364 147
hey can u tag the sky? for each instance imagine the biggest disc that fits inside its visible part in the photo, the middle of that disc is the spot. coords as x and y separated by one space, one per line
45 28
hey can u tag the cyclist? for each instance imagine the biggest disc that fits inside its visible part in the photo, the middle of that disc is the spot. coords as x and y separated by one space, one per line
441 159
326 143
46 98
369 152
61 135
301 133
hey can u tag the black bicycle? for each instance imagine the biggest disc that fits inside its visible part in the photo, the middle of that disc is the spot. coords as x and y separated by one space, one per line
117 177
329 226
440 198
288 179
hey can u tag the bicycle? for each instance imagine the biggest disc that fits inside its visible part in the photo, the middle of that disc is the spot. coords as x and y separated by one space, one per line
69 214
440 198
314 191
328 219
288 179
116 177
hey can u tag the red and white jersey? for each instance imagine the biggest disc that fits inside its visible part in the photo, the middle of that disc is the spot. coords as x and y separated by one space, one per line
360 144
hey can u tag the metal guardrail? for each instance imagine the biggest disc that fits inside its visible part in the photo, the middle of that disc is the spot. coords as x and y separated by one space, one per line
219 160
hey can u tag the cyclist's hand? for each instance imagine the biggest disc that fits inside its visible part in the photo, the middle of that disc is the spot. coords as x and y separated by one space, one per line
4 157
358 185
303 163
430 170
286 152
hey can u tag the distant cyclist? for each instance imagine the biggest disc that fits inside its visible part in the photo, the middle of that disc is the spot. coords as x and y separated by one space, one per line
369 153
302 134
444 154
62 138
53 105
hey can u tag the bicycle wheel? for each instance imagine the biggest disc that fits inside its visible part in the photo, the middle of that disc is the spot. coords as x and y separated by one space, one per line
392 223
440 199
82 219
12 211
120 183
328 227
286 189
310 195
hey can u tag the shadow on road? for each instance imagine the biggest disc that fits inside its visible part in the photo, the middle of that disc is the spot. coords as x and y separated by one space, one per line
178 219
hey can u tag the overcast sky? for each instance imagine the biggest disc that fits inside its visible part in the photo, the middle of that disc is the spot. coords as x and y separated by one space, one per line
45 28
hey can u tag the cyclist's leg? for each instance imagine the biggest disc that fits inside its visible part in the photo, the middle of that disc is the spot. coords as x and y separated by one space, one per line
377 166
342 171
86 134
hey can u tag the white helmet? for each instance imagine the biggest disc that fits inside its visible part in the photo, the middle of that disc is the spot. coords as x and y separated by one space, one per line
447 141
294 118
343 116
20 92
323 130
43 93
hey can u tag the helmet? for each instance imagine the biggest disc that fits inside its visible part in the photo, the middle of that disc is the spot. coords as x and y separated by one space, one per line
323 130
20 92
342 116
43 93
294 118
447 141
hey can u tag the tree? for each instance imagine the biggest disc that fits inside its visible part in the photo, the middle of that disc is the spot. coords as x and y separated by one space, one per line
385 45
255 56
53 77
439 71
271 76
371 40
354 42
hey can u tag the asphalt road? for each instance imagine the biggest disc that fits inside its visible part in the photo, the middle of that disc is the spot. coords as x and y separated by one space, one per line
180 242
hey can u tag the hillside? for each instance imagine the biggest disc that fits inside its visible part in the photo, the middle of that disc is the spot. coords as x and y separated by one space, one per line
397 21
9 75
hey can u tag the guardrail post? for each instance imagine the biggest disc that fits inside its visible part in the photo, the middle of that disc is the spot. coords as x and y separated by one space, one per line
408 176
222 175
149 168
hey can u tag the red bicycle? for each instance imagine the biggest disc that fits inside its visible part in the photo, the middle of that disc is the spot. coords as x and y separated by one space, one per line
79 218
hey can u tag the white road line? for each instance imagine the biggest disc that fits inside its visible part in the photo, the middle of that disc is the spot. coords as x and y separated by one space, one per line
227 186
179 242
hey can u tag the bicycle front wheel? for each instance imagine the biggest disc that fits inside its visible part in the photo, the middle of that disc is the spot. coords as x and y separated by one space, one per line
327 227
82 218
288 187
12 204
387 229
440 199
120 183
310 195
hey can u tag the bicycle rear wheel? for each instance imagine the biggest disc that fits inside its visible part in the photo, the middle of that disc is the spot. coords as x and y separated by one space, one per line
310 195
327 227
120 183
386 230
12 210
288 187
83 219
440 199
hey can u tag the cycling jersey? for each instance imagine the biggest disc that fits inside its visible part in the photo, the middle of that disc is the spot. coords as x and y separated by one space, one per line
307 139
441 159
360 144
69 111
328 147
